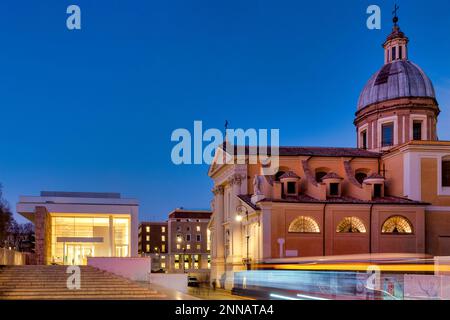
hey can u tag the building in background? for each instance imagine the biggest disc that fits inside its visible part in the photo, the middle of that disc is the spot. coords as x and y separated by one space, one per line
189 242
72 226
153 242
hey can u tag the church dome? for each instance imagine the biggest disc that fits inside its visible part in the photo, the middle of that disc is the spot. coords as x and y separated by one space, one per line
396 79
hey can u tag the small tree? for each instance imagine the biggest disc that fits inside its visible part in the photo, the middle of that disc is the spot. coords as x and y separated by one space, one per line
6 219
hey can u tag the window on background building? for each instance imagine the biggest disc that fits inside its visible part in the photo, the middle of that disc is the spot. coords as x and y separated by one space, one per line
147 238
163 229
186 265
147 229
163 257
163 238
188 237
199 246
147 248
199 237
394 53
163 248
178 246
198 228
178 228
177 257
387 135
304 224
351 225
188 229
188 247
177 265
446 172
397 225
364 139
163 265
291 187
377 190
178 220
334 189
360 177
400 52
417 130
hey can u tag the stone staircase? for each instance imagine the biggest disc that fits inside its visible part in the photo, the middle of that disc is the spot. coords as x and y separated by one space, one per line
50 282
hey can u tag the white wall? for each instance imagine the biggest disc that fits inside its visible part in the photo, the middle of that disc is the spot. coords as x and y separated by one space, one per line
175 281
136 269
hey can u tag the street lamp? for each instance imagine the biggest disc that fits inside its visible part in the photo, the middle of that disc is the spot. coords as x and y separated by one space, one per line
241 210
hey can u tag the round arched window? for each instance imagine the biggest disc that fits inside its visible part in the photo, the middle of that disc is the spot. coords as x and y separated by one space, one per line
351 225
304 225
397 225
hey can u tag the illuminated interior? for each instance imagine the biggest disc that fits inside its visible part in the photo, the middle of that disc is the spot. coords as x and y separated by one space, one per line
75 238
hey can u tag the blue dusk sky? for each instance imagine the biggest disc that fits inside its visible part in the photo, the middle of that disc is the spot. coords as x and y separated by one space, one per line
94 109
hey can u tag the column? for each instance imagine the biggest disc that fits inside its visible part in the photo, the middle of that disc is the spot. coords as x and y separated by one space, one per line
236 226
265 232
111 237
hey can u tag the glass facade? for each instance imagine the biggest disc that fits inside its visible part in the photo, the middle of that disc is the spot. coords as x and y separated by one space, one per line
74 239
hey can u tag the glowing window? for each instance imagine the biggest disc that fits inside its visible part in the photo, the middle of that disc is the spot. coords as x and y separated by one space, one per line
397 225
147 229
163 265
163 238
198 228
304 225
163 229
351 225
147 238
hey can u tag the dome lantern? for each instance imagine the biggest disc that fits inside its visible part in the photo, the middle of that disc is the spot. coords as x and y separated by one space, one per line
398 103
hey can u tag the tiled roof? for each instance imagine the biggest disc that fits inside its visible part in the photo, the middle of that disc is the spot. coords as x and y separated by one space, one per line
331 175
337 200
289 174
315 151
374 176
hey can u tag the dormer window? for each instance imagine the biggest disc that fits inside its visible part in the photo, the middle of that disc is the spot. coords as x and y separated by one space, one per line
333 182
377 182
291 187
290 183
377 190
334 189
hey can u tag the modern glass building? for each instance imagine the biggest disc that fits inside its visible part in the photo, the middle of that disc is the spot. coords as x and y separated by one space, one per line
73 226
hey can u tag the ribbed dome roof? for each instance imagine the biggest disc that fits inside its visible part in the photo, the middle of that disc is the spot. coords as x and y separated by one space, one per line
398 79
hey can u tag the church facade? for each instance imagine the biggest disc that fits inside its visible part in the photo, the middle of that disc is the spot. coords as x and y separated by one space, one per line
390 194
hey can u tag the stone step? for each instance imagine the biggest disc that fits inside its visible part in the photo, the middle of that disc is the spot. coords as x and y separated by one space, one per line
49 282
70 292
